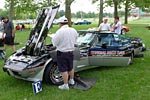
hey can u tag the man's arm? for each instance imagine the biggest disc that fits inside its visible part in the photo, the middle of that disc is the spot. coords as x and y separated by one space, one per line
13 32
56 39
12 28
116 26
99 28
3 32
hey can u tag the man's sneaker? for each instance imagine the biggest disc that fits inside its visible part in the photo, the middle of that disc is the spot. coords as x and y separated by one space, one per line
71 82
64 87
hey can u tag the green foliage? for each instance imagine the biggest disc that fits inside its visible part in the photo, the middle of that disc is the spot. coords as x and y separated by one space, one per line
24 9
144 4
3 12
60 13
81 14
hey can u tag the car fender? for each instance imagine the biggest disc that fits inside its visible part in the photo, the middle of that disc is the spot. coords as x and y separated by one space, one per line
45 65
47 62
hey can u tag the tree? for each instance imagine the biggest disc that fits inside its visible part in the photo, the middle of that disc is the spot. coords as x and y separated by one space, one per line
101 11
115 7
101 3
126 3
68 10
126 11
3 12
115 3
129 4
11 9
142 4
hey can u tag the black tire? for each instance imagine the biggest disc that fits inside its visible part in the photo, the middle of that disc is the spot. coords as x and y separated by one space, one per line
123 31
52 75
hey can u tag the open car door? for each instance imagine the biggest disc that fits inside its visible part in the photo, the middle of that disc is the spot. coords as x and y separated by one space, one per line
40 30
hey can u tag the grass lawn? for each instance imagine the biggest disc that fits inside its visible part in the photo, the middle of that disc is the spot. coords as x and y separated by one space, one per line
113 83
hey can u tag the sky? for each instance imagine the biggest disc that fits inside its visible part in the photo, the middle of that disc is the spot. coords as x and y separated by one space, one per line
77 5
2 3
84 6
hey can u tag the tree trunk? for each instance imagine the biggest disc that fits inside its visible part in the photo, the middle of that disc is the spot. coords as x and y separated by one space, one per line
101 12
115 8
126 12
11 10
68 11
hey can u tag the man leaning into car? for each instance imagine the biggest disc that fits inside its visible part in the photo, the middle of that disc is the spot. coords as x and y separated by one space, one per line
64 40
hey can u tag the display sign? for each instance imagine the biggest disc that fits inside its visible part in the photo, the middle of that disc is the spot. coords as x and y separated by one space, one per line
37 86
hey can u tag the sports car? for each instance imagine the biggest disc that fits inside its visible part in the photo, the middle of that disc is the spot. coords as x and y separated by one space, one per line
81 22
37 60
93 49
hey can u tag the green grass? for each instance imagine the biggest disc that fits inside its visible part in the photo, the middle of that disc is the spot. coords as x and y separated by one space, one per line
113 83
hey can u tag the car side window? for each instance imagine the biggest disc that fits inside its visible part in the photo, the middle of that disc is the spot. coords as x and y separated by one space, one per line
116 40
85 39
104 39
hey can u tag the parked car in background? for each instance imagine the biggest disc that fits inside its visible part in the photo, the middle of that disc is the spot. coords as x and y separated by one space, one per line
81 22
55 22
125 29
18 27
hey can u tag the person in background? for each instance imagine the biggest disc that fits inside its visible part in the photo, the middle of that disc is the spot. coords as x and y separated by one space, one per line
117 25
104 26
9 33
65 40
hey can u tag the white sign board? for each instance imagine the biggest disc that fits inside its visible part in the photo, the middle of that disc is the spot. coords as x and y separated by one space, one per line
37 86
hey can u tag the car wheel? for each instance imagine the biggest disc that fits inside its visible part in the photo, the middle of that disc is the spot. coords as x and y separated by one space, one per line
52 75
123 31
131 59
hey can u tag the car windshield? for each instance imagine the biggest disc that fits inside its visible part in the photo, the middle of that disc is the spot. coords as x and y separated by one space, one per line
84 39
124 39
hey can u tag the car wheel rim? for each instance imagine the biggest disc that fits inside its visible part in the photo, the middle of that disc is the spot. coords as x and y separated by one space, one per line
123 31
55 75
